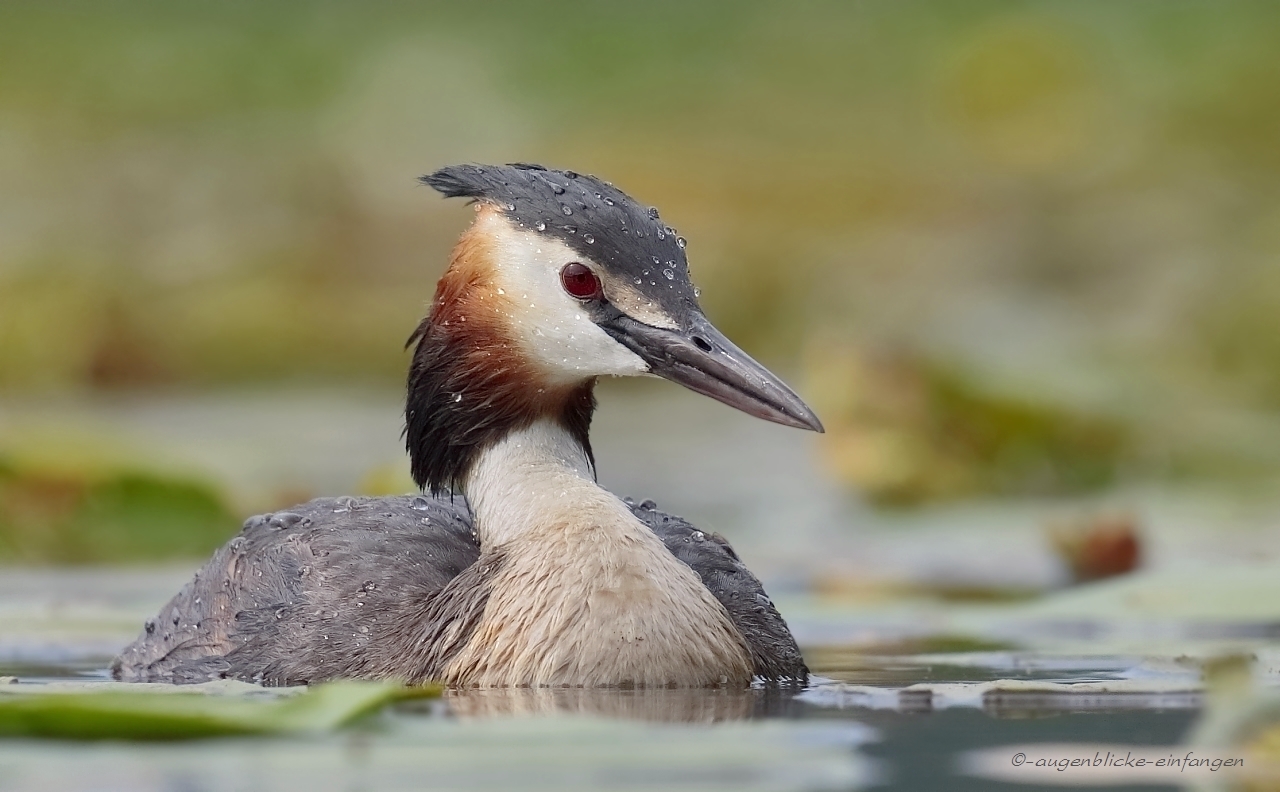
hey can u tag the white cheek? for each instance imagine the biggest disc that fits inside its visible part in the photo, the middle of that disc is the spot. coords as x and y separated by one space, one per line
553 327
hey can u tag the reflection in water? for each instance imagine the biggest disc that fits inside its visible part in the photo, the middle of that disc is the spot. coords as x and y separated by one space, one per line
671 705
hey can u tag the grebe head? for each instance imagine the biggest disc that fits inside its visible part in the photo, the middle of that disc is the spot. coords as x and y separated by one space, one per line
563 278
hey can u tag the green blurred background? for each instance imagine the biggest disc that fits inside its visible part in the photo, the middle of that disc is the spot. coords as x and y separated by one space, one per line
1005 248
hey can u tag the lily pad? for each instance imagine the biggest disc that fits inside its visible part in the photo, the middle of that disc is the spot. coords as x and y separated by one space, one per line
144 713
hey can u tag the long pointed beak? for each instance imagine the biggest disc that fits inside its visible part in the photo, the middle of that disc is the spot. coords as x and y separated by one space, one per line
703 360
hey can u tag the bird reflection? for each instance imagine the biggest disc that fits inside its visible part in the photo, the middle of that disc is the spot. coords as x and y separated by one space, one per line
669 705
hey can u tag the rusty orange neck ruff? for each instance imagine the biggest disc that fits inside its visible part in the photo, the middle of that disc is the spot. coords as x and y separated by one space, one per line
469 383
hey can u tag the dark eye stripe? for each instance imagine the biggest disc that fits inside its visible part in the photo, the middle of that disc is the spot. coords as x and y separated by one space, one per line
579 281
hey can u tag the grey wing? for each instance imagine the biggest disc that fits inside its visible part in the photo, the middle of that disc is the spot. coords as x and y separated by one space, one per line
299 595
774 653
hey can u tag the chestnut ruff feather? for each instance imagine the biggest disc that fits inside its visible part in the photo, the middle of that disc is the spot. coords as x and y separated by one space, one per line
469 385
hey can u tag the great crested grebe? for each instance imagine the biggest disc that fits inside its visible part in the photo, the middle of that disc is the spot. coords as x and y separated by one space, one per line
518 569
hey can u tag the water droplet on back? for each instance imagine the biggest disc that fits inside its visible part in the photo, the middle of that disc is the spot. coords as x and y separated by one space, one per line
566 210
590 240
609 201
668 274
541 226
680 242
557 189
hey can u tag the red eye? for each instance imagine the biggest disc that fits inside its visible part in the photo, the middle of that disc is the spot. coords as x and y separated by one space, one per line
580 281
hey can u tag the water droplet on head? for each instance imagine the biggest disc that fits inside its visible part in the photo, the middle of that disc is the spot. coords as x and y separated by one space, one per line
680 242
653 212
609 201
590 240
541 226
557 189
419 504
668 274
566 209
570 174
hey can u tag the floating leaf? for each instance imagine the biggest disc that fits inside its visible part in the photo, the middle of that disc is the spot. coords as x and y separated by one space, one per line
145 714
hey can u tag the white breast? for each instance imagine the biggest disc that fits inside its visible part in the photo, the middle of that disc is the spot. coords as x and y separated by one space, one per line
587 594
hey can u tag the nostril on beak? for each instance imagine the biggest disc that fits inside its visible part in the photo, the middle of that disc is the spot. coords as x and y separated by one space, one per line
702 343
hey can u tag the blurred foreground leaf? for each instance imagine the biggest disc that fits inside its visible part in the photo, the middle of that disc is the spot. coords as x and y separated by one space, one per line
94 517
148 715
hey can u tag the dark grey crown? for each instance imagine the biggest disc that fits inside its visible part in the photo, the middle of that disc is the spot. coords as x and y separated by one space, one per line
591 216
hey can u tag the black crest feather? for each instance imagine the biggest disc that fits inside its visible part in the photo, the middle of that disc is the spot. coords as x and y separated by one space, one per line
594 218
